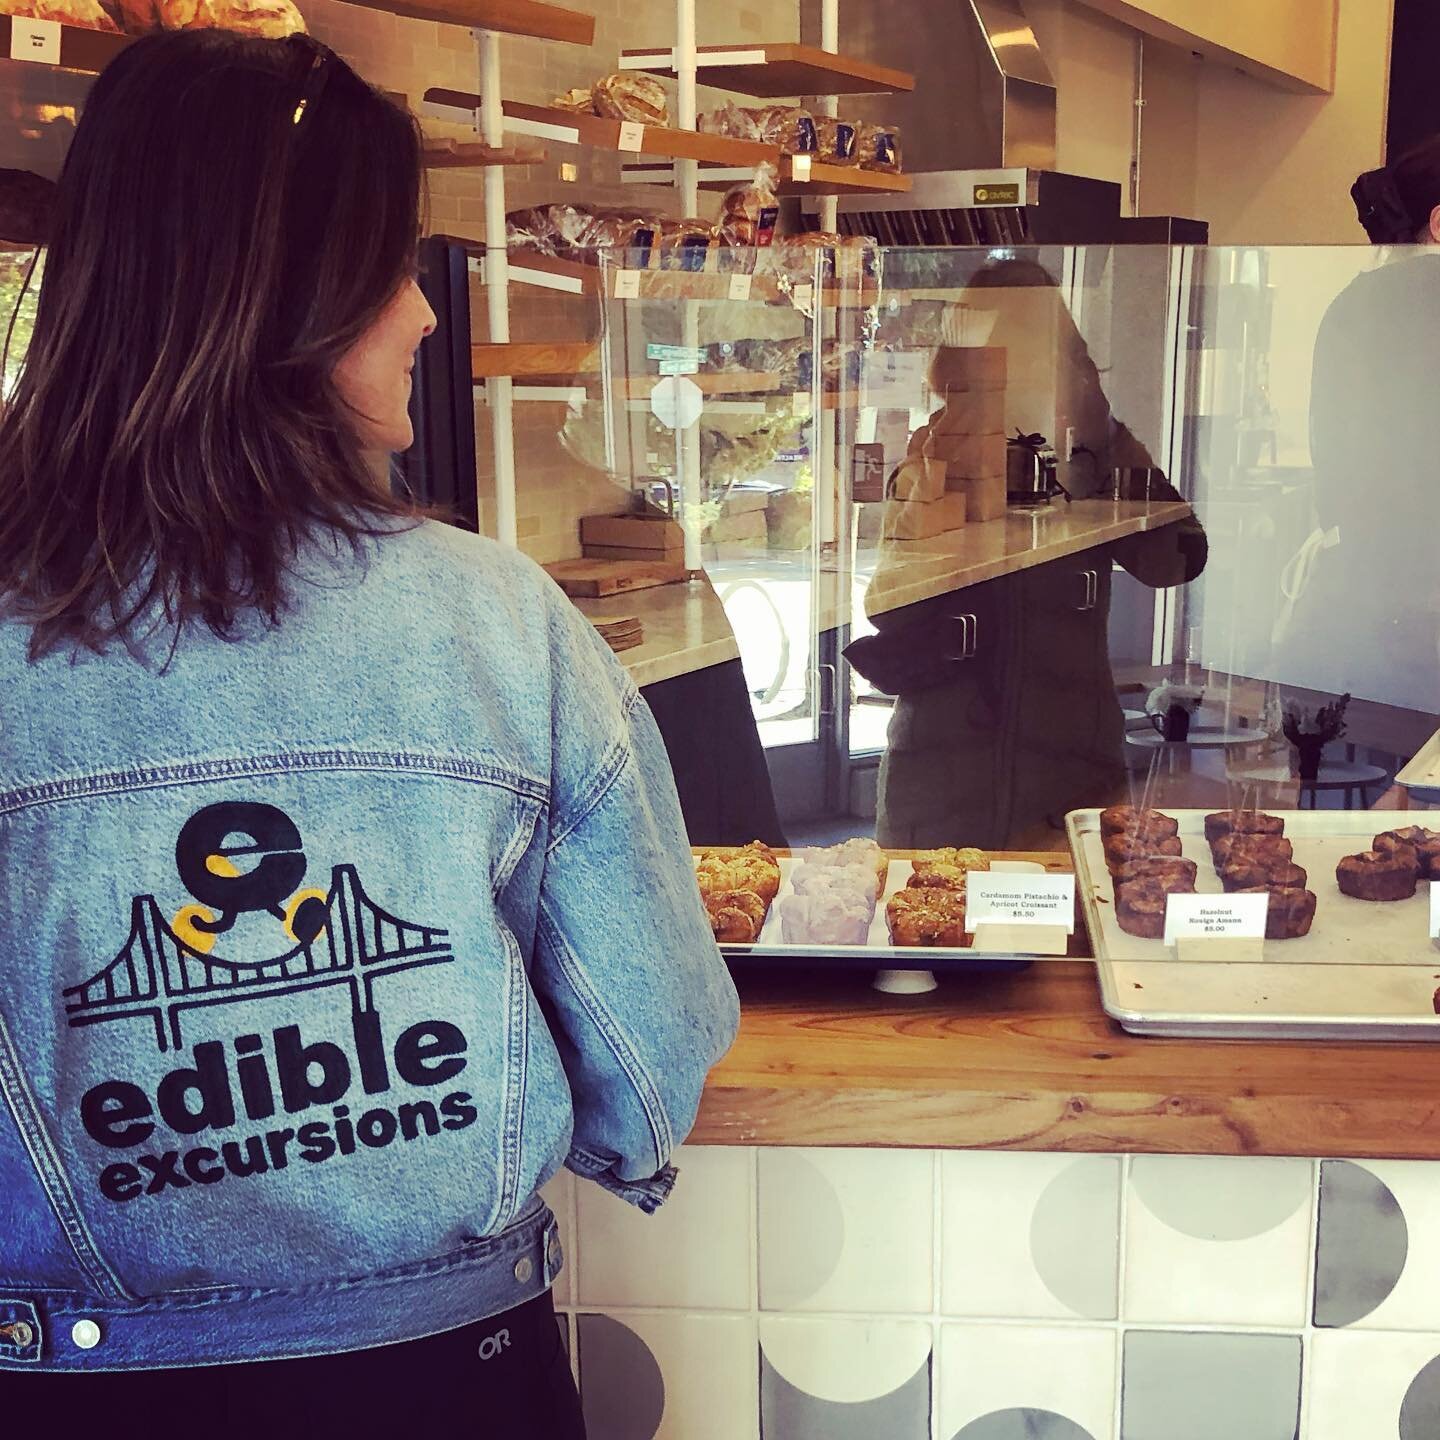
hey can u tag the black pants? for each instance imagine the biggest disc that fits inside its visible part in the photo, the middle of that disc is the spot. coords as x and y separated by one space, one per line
506 1378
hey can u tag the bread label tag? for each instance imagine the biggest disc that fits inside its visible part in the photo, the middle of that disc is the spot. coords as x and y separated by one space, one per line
804 296
1435 909
998 899
740 287
800 403
1215 917
632 136
35 40
800 166
627 284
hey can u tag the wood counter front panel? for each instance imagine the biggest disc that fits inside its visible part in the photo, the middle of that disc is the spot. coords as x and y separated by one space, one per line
1030 1062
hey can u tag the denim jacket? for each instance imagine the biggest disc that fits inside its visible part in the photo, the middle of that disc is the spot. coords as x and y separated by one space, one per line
321 950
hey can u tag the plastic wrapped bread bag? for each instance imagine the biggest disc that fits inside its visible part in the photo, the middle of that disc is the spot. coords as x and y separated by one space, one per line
879 148
748 212
789 127
628 95
836 141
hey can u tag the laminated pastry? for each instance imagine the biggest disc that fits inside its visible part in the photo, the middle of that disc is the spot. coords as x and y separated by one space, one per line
751 867
947 861
1372 875
88 14
825 919
879 148
1241 822
1140 904
1133 820
1252 872
1122 849
927 917
736 916
848 855
1290 912
1423 843
629 95
1273 849
1168 868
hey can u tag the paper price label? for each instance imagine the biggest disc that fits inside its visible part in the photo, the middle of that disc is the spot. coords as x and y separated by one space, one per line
740 287
804 296
800 403
998 899
627 284
1215 917
1435 909
632 136
35 40
800 167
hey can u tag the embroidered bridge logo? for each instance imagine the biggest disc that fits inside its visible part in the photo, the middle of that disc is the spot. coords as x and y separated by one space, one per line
239 858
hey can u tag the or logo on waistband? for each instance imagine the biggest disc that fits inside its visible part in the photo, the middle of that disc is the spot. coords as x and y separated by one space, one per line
242 858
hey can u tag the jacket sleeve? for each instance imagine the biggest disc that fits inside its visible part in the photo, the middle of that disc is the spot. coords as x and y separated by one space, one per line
626 967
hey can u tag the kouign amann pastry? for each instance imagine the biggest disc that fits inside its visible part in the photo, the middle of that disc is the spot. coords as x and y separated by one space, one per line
1122 849
1272 849
1248 873
1290 913
1158 867
1241 822
1133 820
1372 875
927 917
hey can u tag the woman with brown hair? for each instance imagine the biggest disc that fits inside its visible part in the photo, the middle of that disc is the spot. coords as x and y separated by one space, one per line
346 896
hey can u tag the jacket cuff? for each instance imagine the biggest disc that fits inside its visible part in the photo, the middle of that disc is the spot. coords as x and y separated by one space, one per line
647 1195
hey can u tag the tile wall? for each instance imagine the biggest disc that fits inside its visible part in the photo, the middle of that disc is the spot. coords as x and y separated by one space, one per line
795 1294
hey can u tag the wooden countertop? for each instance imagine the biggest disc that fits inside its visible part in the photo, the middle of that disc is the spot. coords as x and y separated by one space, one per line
686 628
1029 1061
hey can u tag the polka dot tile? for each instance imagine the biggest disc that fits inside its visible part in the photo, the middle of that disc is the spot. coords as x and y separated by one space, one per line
994 1380
1378 1245
1218 1240
1180 1386
844 1379
1370 1385
659 1376
694 1252
846 1230
1029 1235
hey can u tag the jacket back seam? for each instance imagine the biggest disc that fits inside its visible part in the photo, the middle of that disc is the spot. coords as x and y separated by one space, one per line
601 782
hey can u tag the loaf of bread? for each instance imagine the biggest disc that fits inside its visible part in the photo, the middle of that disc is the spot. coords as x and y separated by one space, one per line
269 19
88 14
628 95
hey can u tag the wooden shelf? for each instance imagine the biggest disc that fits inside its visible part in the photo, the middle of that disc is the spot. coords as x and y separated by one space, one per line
840 180
81 48
545 123
572 277
550 358
511 17
777 71
708 382
466 155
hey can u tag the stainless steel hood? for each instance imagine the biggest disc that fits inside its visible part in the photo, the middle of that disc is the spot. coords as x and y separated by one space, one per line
984 96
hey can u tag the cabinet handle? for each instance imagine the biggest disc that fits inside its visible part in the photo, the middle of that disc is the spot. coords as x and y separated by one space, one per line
1092 590
827 690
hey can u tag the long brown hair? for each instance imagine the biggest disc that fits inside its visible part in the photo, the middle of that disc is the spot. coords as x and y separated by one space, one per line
232 215
1395 202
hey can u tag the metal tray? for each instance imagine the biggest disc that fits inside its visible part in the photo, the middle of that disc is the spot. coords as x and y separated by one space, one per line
1421 777
1365 972
878 952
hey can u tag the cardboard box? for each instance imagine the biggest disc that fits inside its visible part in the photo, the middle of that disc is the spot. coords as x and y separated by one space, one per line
918 479
972 457
653 534
985 497
744 502
970 412
923 520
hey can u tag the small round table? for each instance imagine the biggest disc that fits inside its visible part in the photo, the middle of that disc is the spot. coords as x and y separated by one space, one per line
1346 775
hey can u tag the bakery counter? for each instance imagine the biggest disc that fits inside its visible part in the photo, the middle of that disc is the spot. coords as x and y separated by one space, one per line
908 571
685 629
1029 1061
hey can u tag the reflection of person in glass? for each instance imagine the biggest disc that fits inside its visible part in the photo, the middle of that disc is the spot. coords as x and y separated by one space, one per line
1366 588
994 749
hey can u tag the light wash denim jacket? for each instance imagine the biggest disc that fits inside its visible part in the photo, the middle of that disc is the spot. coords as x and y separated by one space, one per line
320 952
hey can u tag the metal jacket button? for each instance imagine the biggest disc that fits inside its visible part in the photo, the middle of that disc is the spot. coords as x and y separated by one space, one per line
523 1269
554 1251
20 1335
85 1334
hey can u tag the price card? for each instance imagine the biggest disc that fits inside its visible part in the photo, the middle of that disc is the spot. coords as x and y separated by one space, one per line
800 167
804 296
1435 909
632 135
800 403
35 40
740 287
627 284
993 898
1215 917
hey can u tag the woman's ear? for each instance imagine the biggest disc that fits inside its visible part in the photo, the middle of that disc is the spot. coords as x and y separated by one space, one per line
1432 230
